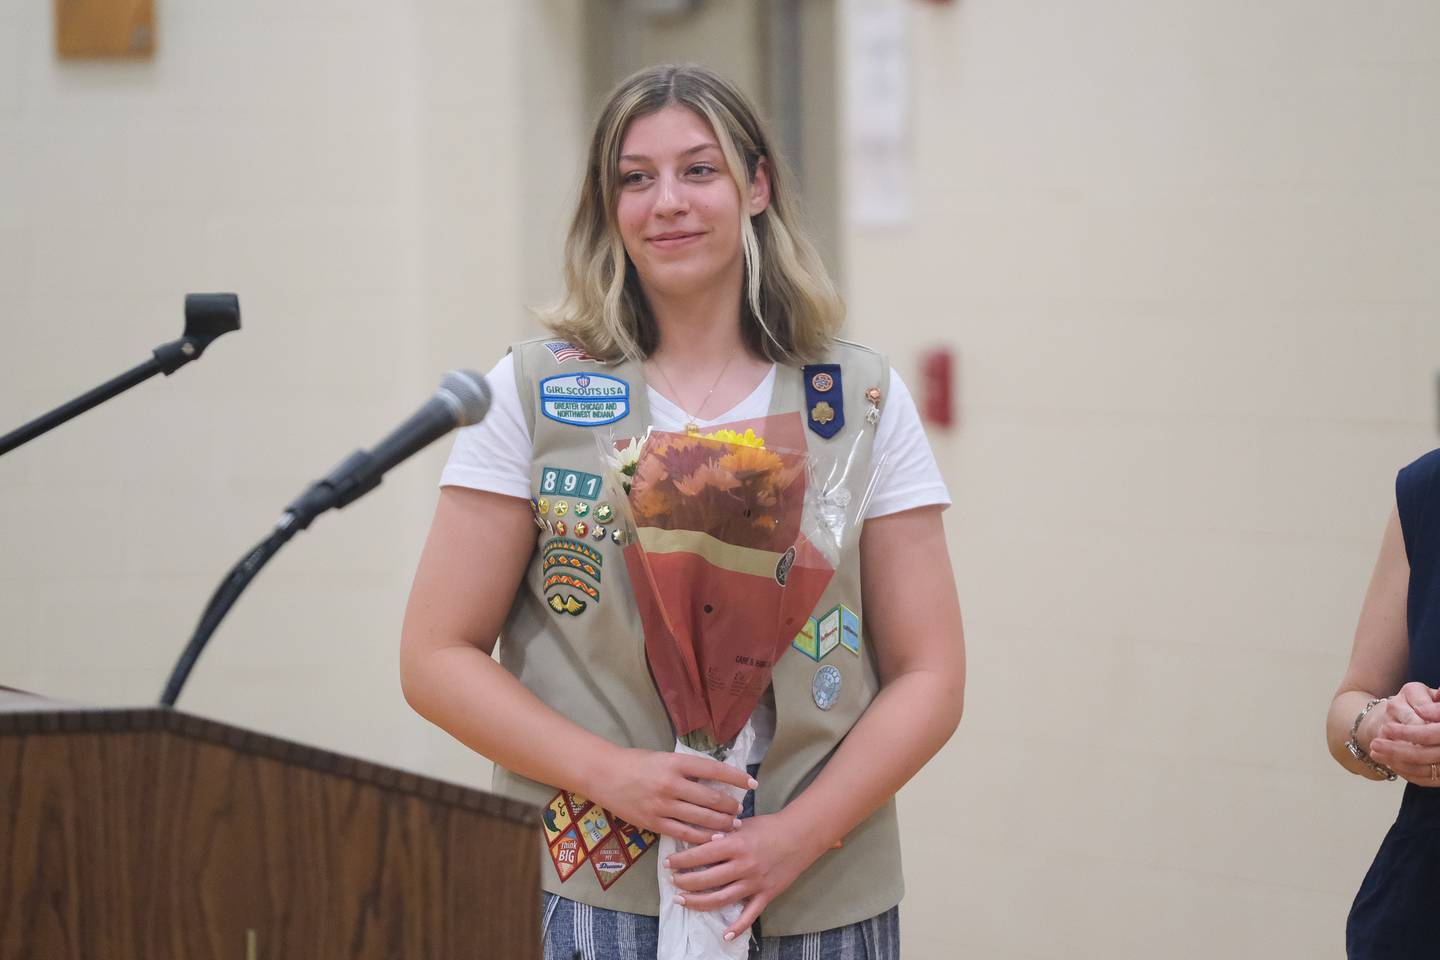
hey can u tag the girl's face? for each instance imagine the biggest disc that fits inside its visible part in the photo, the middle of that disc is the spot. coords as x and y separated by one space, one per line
679 211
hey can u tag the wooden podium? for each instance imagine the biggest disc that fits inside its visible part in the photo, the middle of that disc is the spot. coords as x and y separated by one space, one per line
149 834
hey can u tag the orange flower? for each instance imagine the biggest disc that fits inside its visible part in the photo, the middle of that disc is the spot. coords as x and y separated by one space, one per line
709 476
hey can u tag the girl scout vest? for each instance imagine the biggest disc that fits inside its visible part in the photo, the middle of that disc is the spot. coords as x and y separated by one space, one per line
574 638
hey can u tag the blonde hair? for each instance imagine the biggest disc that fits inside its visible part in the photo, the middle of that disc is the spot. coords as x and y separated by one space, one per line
790 311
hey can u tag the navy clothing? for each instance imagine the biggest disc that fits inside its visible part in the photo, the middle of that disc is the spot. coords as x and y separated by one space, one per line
1396 914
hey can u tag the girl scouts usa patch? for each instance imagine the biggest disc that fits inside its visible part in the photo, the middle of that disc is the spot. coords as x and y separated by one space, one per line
584 399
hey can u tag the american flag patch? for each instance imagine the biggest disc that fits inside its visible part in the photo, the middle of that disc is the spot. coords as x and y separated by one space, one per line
564 351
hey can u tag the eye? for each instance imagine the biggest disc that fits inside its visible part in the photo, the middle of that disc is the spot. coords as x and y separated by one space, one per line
632 178
702 170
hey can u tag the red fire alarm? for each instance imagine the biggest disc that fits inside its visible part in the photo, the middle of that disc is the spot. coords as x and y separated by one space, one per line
937 376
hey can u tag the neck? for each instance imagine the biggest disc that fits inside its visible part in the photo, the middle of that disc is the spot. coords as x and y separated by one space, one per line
698 327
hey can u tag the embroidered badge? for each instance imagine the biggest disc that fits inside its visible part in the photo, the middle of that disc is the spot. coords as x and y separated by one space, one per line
582 509
561 508
603 513
837 627
565 560
577 830
825 688
543 505
828 636
584 399
571 569
824 398
571 483
806 641
580 528
567 854
564 352
598 533
559 528
566 605
849 629
575 583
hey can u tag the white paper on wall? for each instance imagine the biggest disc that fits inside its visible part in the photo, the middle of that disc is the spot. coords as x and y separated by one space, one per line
876 65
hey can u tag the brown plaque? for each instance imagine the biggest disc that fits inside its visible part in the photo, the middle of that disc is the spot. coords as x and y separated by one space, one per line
104 28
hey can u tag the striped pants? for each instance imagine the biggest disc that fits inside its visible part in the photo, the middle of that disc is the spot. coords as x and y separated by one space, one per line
577 931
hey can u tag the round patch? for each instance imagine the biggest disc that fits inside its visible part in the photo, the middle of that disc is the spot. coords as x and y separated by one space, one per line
581 529
618 536
543 505
782 569
822 382
581 508
603 513
826 686
599 532
559 528
561 508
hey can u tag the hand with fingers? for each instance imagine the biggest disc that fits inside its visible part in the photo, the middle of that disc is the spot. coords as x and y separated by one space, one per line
755 863
661 792
1404 734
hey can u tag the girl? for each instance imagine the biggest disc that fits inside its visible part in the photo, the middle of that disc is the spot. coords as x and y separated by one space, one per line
692 298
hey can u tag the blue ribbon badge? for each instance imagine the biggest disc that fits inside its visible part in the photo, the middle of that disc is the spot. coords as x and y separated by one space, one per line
824 398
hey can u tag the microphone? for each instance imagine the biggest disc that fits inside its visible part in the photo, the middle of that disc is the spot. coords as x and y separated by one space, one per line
463 398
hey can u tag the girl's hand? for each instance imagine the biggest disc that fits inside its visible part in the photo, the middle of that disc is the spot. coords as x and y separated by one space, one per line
660 792
758 861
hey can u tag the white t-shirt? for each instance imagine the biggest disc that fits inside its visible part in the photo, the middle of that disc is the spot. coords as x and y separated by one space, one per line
494 455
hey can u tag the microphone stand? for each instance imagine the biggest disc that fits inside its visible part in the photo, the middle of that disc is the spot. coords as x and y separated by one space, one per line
220 603
207 316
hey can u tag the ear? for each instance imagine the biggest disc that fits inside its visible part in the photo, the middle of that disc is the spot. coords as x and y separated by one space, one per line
760 188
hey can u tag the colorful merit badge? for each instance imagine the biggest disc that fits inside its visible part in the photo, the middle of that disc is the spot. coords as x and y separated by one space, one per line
584 399
571 572
838 627
824 398
873 414
577 830
564 352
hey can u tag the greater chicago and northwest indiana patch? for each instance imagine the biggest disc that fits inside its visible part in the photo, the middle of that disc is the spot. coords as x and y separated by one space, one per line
584 399
577 831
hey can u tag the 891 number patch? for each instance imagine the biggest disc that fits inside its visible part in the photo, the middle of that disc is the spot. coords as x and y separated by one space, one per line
555 481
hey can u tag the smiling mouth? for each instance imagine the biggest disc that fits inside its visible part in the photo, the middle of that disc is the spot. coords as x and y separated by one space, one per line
672 239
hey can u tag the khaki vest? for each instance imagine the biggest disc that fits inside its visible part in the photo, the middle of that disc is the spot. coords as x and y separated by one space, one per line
577 642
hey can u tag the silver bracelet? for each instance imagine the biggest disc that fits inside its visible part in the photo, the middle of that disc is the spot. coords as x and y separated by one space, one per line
1353 745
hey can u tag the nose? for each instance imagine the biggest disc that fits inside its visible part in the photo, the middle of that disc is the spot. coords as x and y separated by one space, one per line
670 200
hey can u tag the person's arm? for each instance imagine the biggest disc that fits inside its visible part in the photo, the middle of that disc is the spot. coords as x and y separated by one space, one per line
469 573
1378 662
913 619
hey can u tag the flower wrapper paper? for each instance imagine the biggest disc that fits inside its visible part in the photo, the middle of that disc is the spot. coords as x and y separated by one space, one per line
693 933
729 548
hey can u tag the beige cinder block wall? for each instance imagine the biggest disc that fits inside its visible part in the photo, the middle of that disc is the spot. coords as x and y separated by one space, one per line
375 181
1186 254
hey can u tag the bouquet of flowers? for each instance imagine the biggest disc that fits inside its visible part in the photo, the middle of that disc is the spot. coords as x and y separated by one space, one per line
732 537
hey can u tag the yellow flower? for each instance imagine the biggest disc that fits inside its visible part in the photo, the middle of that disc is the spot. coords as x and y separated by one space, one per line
747 439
